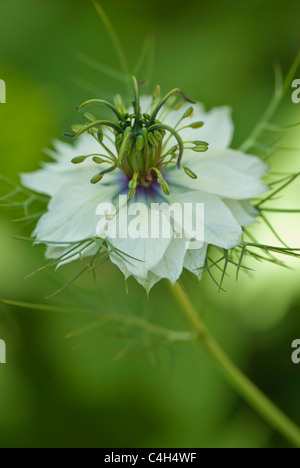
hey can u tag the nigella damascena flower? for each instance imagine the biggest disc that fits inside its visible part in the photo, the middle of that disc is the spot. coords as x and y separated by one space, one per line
166 153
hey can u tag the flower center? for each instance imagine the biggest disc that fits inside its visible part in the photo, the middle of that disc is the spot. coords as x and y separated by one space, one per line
140 140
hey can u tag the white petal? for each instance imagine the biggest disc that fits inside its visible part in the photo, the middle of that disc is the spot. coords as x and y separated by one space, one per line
65 151
227 173
54 175
243 211
71 215
141 254
171 265
148 282
217 129
220 227
194 260
49 181
146 103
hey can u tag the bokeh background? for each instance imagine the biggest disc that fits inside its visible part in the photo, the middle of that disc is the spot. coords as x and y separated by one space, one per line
80 391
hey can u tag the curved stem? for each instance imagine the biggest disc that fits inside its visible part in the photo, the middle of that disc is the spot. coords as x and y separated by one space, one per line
163 102
175 134
97 123
115 40
136 97
274 416
279 95
101 102
125 320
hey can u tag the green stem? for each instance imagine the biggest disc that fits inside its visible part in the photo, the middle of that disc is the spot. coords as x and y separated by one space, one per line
260 126
279 95
235 377
125 320
115 40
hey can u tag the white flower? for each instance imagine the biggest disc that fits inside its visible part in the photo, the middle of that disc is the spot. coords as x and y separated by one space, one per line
223 179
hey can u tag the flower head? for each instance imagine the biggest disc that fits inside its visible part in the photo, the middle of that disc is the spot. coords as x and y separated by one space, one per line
163 153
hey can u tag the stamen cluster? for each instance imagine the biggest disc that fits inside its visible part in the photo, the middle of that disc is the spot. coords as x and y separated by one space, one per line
140 140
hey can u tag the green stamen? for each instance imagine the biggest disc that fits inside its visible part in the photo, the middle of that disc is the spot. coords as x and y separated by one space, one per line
165 99
139 139
101 102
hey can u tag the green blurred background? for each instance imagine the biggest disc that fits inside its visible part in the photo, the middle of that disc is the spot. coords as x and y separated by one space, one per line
58 392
